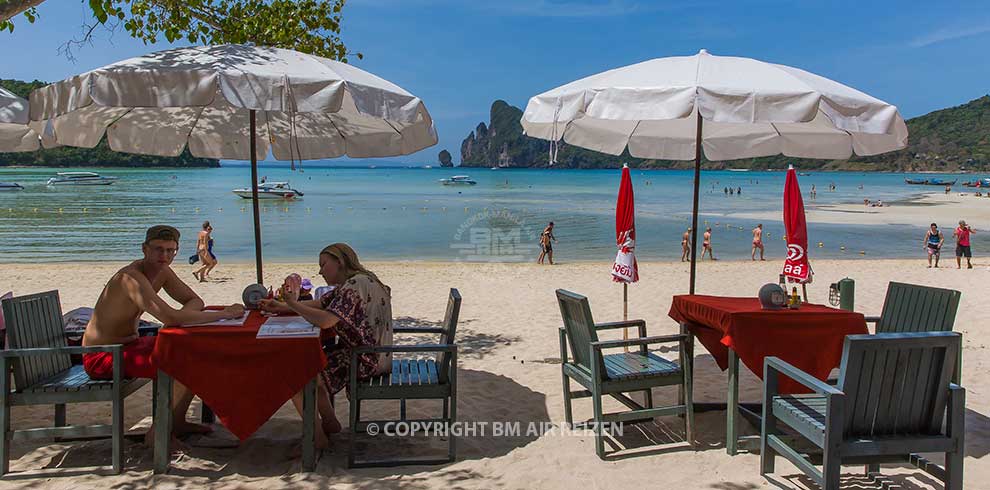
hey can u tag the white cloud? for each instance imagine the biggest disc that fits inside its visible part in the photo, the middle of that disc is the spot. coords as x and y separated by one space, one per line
948 34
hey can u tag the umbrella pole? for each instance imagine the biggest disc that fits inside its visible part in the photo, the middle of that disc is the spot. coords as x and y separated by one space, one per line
254 196
694 213
625 312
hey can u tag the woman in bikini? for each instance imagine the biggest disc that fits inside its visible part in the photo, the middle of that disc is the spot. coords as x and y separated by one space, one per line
706 246
686 245
203 250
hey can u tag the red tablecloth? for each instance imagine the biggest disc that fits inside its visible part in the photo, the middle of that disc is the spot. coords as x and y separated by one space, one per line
243 379
810 337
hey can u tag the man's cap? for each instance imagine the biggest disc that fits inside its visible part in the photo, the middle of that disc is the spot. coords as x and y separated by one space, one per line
161 232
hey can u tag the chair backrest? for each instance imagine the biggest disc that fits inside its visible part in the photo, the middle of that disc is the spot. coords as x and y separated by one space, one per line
580 327
914 308
897 383
449 332
35 321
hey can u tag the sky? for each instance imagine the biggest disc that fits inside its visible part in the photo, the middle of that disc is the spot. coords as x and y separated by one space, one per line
461 55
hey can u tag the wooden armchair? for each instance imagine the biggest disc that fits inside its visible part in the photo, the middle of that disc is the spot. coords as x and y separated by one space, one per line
616 374
894 392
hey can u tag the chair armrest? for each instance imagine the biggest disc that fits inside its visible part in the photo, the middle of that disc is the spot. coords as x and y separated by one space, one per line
43 351
873 319
608 344
783 367
622 324
437 330
406 348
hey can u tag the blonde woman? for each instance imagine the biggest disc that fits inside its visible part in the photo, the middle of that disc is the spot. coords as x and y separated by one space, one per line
358 312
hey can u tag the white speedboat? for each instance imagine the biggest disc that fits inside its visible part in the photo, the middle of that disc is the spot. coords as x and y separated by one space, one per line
10 186
80 178
458 180
271 190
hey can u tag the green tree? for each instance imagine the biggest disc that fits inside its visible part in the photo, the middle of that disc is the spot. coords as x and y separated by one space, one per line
310 26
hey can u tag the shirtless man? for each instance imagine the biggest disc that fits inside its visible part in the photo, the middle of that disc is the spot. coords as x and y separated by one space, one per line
133 291
686 245
706 245
757 241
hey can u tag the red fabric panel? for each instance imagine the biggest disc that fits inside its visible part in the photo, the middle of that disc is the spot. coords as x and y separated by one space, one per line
810 337
243 379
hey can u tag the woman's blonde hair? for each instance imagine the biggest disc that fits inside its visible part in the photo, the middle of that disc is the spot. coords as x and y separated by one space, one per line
348 260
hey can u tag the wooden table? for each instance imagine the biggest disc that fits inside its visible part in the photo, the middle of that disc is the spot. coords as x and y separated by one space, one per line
734 329
243 379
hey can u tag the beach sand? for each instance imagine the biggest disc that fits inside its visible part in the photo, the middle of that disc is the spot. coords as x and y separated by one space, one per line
508 344
938 207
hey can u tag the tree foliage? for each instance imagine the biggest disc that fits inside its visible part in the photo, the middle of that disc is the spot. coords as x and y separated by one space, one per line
310 26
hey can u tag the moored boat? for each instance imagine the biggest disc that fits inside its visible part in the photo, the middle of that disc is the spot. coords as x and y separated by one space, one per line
80 178
458 180
10 186
271 190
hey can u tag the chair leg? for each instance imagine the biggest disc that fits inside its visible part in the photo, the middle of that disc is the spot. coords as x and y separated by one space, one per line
59 417
768 423
568 415
4 421
599 438
872 469
954 470
118 435
445 409
831 469
648 398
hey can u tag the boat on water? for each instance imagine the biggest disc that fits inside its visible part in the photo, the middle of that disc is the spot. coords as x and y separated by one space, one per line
978 183
941 182
738 170
80 178
271 190
458 180
930 182
11 186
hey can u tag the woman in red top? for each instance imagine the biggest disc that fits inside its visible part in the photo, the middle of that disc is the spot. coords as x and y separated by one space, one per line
962 244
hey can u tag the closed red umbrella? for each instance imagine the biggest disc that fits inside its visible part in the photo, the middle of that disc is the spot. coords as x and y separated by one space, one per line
796 267
624 269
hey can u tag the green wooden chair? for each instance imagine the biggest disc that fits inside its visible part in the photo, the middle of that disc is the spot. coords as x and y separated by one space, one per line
616 374
44 375
421 378
894 392
915 308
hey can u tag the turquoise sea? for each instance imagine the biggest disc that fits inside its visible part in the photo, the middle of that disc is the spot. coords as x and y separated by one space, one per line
390 213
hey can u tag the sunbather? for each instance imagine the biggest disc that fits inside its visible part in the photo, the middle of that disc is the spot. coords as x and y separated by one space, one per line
358 312
131 292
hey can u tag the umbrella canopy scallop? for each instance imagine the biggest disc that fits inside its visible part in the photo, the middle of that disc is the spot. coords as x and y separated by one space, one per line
750 108
15 133
308 107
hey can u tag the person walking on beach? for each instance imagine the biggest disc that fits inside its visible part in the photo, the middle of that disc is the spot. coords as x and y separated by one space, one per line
933 244
546 245
738 191
813 192
757 241
706 245
203 250
686 245
962 234
725 190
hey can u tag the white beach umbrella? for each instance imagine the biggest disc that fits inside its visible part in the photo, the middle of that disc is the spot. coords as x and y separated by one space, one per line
235 102
15 134
727 107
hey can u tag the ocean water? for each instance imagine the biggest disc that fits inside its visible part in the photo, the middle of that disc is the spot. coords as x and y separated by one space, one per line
404 213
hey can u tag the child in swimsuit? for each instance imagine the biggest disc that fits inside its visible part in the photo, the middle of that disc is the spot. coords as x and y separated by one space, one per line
933 244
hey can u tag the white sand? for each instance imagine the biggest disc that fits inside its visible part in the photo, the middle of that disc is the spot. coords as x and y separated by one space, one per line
944 209
508 330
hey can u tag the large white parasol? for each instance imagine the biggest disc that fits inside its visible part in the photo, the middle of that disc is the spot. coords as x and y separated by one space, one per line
235 102
15 134
730 108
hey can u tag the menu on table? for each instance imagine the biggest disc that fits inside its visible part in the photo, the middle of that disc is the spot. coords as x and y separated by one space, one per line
226 322
283 327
